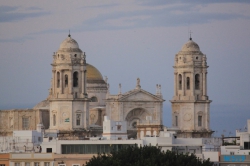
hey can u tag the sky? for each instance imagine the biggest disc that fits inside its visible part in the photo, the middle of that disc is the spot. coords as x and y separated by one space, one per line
126 40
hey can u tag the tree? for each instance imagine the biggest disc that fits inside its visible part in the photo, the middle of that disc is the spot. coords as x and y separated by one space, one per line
146 156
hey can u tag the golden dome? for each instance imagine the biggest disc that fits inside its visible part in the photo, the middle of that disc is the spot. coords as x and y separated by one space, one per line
93 73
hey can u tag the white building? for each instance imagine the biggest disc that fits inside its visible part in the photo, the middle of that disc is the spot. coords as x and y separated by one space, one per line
238 154
114 130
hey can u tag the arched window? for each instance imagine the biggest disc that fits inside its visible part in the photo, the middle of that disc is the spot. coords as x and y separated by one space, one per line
54 120
180 81
66 80
58 79
78 119
199 120
176 120
197 81
93 99
75 79
188 83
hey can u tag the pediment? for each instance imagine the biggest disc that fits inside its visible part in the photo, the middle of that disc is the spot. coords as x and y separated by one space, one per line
140 95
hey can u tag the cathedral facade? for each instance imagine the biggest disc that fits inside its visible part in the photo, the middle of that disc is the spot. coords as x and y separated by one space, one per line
79 98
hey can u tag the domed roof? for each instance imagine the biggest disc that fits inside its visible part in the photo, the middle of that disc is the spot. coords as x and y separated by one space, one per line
93 73
69 44
190 46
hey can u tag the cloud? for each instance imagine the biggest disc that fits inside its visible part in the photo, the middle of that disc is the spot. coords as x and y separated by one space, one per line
10 13
180 15
191 2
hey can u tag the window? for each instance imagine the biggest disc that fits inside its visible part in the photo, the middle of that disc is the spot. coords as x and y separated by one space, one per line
17 164
188 83
49 150
75 79
119 127
2 164
36 163
199 120
75 164
78 119
46 163
93 99
54 120
25 123
27 164
231 153
180 82
58 79
66 80
176 120
246 145
197 81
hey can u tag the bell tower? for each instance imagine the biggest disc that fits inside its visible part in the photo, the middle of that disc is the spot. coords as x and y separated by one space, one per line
68 98
190 103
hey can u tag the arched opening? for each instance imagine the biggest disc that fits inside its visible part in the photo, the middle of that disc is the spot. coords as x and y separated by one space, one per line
188 83
200 121
54 120
75 79
78 119
58 79
197 81
136 116
176 121
93 99
180 82
66 80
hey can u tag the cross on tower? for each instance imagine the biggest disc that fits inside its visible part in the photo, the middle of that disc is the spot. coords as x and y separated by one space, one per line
190 32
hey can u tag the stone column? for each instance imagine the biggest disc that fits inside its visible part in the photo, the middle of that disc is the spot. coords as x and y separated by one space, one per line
82 80
204 83
175 84
70 81
192 83
61 81
183 84
84 83
54 82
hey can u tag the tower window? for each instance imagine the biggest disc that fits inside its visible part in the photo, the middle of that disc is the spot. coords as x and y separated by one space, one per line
176 120
54 120
188 83
66 80
58 79
78 119
75 79
199 121
75 55
180 82
197 81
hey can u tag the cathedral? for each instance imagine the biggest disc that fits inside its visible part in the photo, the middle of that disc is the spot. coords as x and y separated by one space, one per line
79 98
